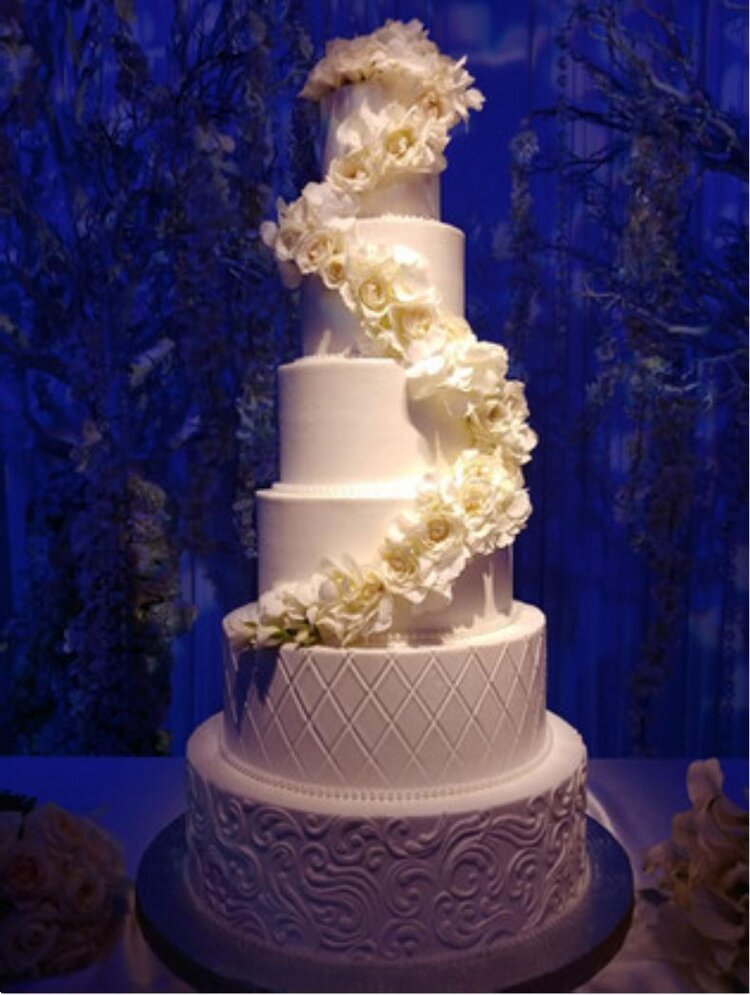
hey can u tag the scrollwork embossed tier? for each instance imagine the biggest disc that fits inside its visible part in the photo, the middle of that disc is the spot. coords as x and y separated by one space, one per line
342 880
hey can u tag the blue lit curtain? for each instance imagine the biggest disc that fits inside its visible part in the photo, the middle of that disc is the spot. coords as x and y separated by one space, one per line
603 193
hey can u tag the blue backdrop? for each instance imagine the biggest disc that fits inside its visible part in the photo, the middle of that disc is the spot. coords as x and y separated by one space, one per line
603 193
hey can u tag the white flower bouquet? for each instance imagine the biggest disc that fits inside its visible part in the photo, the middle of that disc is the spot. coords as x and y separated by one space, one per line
699 920
62 889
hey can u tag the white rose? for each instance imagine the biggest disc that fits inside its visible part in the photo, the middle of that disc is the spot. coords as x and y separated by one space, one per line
283 615
403 569
416 145
488 499
353 604
27 938
333 272
439 534
412 321
355 172
371 294
315 248
500 420
514 510
477 367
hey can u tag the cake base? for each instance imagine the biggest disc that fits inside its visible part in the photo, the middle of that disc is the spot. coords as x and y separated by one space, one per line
557 957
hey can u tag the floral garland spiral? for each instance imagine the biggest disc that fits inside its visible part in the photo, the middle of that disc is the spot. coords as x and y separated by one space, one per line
480 503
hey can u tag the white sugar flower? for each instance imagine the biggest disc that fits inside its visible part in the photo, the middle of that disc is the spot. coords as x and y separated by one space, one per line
283 614
412 321
316 248
355 172
403 569
501 420
477 367
489 499
353 604
333 271
439 534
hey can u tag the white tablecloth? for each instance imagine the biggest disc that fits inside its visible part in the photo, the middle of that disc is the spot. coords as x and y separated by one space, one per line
134 798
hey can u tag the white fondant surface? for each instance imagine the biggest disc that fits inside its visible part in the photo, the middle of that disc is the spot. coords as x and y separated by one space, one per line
346 421
564 755
349 421
329 327
427 719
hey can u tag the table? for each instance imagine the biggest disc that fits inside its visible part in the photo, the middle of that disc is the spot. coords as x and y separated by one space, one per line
134 798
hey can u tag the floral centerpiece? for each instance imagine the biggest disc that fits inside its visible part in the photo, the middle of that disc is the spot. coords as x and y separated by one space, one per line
62 889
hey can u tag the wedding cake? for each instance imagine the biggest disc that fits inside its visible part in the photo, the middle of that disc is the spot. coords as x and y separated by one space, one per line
385 787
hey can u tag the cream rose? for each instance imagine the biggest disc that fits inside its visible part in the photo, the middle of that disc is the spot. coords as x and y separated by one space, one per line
440 535
372 294
315 249
500 420
483 492
413 321
27 939
353 604
333 271
355 172
403 570
283 615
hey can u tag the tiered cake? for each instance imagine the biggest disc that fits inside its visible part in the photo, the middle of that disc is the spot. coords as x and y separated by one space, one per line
385 786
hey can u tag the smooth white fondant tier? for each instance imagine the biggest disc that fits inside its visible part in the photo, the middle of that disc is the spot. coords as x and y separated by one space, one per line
327 324
341 882
427 720
300 528
349 421
352 116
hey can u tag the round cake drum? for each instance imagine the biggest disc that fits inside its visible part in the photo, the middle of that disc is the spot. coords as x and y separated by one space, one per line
557 958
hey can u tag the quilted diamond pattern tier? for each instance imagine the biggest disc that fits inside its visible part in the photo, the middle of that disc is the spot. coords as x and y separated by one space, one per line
391 718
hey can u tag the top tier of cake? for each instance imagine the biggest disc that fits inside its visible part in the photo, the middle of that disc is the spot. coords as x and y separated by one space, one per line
356 113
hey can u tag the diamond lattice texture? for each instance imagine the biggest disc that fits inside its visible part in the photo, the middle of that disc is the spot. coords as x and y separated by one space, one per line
393 718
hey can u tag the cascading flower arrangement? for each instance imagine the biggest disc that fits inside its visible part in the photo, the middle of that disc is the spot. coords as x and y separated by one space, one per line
479 504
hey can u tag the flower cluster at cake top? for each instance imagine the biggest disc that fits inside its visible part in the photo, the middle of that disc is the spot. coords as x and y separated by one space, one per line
480 503
404 52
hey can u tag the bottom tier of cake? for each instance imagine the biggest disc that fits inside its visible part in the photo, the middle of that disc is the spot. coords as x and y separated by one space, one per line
421 880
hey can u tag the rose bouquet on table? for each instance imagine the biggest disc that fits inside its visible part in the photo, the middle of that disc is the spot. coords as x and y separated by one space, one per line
62 889
699 919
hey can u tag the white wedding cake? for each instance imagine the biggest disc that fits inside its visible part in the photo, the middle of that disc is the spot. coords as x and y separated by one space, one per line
385 788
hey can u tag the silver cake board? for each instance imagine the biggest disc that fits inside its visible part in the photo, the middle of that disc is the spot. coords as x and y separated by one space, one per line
557 958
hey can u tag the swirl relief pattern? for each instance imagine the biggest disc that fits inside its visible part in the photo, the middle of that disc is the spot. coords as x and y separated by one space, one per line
385 888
